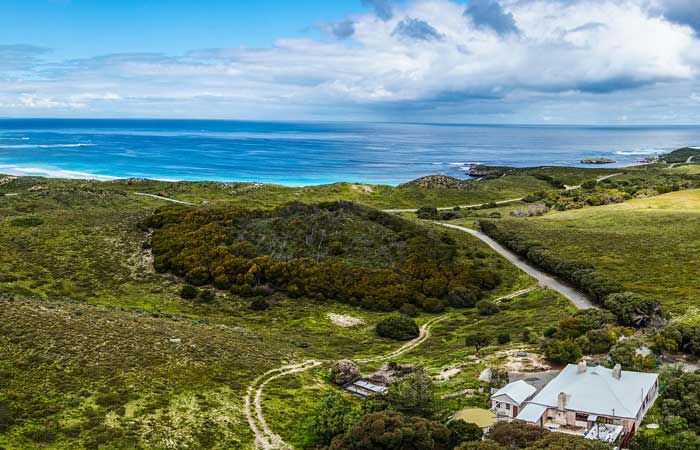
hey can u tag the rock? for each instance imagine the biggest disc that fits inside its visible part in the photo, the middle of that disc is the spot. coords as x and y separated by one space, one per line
175 341
485 375
344 372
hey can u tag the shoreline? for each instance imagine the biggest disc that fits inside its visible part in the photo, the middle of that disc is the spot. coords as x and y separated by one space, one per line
68 174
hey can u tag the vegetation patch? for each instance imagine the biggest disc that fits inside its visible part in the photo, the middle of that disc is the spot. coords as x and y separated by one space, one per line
340 251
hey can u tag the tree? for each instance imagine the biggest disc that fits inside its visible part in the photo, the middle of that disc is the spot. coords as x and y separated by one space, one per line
414 395
259 304
477 341
6 416
463 431
562 351
561 441
483 445
189 292
503 338
633 309
487 308
398 327
516 435
393 431
463 297
427 213
332 416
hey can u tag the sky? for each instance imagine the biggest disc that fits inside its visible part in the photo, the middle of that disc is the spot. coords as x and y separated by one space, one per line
598 62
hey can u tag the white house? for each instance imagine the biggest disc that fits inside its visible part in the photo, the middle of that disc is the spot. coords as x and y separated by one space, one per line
580 398
507 401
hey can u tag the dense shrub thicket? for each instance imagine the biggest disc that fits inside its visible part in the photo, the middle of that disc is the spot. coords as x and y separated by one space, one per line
340 251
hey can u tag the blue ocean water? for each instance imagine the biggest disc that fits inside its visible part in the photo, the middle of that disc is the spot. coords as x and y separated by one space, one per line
308 153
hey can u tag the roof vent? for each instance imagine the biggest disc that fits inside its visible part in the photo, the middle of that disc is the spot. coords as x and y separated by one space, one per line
617 372
582 366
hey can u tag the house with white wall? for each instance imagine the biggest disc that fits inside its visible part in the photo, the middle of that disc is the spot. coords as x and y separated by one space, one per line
581 397
507 401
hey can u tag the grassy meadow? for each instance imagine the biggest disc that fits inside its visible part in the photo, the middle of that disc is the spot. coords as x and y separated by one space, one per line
650 245
86 359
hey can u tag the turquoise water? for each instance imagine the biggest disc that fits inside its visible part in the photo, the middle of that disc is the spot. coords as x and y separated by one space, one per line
308 153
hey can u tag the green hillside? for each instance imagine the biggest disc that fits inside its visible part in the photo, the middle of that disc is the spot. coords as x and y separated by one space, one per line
650 245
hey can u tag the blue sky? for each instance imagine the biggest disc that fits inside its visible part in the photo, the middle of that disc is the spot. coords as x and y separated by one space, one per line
85 28
486 61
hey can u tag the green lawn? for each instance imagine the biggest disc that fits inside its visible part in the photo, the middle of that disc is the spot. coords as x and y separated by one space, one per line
650 245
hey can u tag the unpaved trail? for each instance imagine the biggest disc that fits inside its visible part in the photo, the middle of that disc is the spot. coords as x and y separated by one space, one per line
500 202
577 298
160 197
265 438
423 336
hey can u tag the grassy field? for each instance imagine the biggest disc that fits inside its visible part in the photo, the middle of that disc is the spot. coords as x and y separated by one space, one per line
650 245
85 324
425 192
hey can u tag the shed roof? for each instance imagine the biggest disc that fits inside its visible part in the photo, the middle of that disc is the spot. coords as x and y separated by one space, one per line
531 413
597 391
519 391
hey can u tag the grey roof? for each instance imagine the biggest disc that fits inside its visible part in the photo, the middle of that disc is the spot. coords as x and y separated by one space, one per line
370 386
519 391
531 413
596 391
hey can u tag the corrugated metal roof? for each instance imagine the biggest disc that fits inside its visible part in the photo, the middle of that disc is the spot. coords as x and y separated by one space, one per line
597 391
531 413
519 391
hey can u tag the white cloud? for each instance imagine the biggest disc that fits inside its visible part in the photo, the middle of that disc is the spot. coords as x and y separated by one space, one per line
450 65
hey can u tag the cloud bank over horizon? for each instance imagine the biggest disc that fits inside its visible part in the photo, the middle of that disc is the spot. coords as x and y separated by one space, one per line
508 61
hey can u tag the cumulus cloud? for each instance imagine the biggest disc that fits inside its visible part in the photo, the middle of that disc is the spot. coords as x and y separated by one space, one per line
685 12
518 59
382 8
490 14
416 29
343 29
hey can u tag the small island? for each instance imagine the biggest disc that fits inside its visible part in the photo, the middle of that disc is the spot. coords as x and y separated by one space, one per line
598 161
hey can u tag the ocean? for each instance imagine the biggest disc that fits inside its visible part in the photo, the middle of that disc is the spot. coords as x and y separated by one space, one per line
309 153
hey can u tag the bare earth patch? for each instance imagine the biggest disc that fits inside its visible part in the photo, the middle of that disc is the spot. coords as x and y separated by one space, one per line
345 321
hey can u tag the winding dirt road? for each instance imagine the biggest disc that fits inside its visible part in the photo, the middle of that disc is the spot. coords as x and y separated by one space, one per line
265 438
577 298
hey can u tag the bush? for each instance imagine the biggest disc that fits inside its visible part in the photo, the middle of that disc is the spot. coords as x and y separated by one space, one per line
562 351
463 431
408 309
487 308
503 338
7 418
464 297
427 213
414 395
207 296
333 416
392 431
189 292
259 304
633 309
399 327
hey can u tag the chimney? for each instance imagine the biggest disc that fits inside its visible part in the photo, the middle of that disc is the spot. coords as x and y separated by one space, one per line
617 372
582 366
561 401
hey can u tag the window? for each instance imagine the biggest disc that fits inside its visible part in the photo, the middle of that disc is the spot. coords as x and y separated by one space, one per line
498 404
508 406
580 417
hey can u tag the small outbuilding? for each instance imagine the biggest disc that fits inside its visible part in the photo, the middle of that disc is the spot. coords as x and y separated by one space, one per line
507 402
